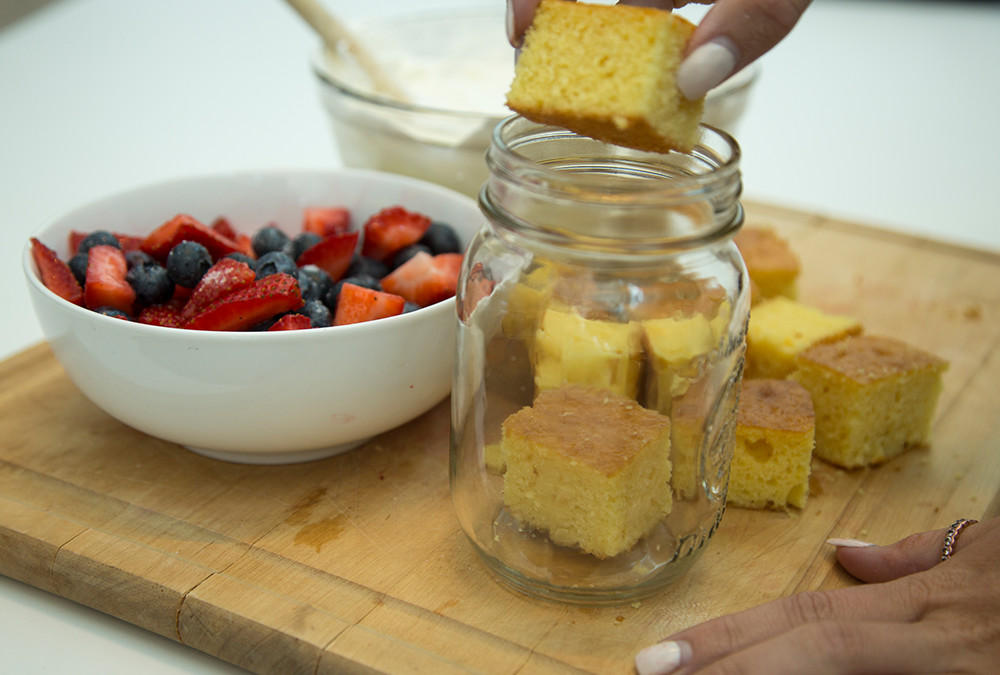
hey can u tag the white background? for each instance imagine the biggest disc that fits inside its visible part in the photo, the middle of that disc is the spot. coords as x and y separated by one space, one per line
879 111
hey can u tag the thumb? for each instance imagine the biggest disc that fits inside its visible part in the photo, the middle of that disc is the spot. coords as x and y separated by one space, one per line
915 553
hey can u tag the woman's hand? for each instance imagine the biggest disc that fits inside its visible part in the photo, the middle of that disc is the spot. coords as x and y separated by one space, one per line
733 34
916 614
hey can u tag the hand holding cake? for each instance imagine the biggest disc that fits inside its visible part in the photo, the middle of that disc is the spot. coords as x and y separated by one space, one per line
733 34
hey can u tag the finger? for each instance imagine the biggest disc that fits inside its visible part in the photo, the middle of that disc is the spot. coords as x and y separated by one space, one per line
732 34
838 647
915 553
519 16
891 602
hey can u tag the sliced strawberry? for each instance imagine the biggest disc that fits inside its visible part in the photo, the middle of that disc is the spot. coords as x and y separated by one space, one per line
181 227
55 273
391 229
292 322
357 304
129 242
249 306
333 254
245 244
161 315
224 227
222 278
327 220
106 285
425 279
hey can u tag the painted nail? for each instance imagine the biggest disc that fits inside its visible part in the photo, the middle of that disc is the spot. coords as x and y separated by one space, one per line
849 543
662 658
706 67
510 23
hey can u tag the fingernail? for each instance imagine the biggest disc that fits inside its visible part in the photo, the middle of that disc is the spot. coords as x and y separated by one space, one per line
705 67
662 658
510 23
849 543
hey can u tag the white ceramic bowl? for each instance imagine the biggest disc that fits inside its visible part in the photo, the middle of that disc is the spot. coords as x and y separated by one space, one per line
263 397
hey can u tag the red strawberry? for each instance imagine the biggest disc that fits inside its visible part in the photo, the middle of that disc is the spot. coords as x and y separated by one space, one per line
181 227
325 221
161 315
55 273
333 254
224 227
106 285
292 322
357 304
425 279
249 306
221 279
129 242
392 229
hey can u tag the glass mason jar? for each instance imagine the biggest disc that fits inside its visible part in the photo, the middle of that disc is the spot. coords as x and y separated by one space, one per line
602 317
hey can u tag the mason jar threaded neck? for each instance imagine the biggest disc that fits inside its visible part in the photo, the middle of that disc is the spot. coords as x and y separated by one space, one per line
560 188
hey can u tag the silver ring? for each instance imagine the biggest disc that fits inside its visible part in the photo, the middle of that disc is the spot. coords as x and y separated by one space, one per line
951 536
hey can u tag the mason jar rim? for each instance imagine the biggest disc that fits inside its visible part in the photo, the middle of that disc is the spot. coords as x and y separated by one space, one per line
722 172
599 180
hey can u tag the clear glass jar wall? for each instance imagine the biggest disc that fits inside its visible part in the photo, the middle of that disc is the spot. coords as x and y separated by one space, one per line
600 347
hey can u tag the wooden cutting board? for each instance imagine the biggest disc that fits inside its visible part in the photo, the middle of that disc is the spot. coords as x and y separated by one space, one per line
357 563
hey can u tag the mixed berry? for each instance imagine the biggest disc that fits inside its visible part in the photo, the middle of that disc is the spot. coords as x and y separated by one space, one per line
186 274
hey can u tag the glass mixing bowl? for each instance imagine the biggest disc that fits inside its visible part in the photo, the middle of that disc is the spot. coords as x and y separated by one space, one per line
455 68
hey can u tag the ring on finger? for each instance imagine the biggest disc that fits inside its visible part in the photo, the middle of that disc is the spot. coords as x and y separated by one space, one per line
951 536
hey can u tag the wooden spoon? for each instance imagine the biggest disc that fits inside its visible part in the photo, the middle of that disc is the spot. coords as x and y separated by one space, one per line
334 34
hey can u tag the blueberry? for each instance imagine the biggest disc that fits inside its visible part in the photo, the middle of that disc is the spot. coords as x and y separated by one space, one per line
320 279
441 238
318 313
274 262
78 265
98 238
135 258
304 242
113 312
152 283
242 257
405 254
364 266
363 280
187 262
410 307
268 239
307 287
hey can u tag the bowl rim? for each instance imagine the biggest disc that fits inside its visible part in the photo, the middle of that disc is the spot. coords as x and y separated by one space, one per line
34 279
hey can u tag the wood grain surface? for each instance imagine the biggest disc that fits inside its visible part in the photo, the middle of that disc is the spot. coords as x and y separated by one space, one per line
357 563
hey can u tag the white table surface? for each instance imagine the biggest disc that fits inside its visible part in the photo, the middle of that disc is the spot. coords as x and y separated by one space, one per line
879 111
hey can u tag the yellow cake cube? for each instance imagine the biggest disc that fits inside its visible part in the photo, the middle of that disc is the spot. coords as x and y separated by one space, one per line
570 349
589 467
676 349
526 302
781 328
773 445
773 267
607 71
874 397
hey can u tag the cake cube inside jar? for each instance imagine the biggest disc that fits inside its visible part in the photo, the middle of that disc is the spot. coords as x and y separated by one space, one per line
589 467
570 349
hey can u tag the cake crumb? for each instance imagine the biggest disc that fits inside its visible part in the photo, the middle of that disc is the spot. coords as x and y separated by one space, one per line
636 605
